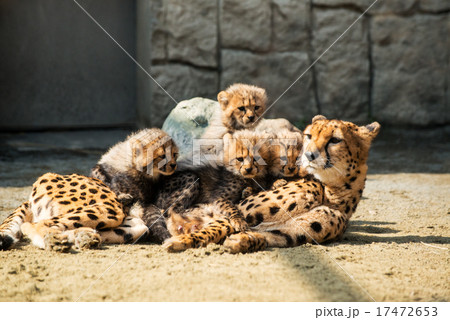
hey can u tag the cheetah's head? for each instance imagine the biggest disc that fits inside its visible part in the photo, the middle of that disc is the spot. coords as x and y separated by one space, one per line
286 152
155 153
242 105
247 153
334 149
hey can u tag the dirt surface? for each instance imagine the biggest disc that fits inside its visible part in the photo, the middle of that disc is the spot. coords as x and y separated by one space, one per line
396 248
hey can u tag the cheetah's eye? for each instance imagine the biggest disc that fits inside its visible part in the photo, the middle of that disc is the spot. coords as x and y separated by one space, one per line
308 136
257 107
335 140
240 159
242 108
163 156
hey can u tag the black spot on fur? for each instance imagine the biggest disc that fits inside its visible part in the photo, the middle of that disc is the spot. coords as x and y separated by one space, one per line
280 197
74 218
111 211
249 206
316 226
73 184
265 199
259 218
352 179
127 238
100 225
103 196
92 216
74 199
49 187
292 206
249 219
43 181
276 191
60 186
92 202
244 202
289 241
64 202
77 225
301 239
54 180
274 210
347 209
38 198
119 232
83 186
94 191
348 186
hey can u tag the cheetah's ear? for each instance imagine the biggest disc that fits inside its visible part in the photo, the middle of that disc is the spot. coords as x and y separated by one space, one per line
222 97
370 131
318 117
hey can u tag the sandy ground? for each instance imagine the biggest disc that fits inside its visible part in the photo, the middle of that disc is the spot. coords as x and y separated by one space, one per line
396 248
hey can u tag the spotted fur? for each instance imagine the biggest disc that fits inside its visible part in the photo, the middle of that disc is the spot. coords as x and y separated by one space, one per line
316 208
136 169
70 210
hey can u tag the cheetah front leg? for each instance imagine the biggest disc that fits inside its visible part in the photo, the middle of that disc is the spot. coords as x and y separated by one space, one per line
10 232
318 225
214 232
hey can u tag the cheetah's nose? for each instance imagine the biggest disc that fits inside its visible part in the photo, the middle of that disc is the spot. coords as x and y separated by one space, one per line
251 118
248 170
173 165
311 156
291 169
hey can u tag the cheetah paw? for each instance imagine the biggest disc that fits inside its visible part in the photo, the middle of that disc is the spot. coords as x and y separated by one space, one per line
247 192
177 244
86 240
236 243
57 242
238 224
279 183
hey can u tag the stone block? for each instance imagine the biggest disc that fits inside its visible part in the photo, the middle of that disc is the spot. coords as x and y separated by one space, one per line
411 69
191 28
291 20
275 72
342 73
181 82
245 24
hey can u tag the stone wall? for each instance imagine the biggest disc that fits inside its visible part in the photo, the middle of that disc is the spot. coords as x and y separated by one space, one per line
392 65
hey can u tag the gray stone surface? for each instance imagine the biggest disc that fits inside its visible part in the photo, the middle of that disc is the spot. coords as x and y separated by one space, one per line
435 5
182 128
343 71
291 25
411 63
192 31
58 69
245 24
381 6
275 72
182 82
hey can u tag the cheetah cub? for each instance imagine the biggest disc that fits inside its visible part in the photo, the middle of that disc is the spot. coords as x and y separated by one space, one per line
135 170
245 163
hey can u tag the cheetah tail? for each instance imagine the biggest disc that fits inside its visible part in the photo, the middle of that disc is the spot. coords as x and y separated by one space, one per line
10 232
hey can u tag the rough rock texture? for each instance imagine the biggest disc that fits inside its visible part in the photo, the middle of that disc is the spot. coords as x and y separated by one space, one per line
275 72
245 24
291 25
182 128
391 65
185 81
381 6
343 71
192 32
411 63
434 5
